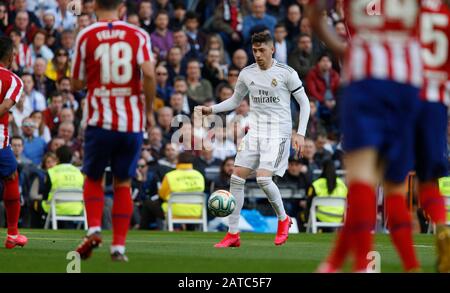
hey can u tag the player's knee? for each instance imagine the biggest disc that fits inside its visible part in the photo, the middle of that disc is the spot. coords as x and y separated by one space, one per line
264 181
237 182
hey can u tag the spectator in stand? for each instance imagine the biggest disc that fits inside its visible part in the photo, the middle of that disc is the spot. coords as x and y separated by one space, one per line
84 20
23 25
155 140
309 155
59 66
22 61
21 6
17 146
64 19
323 151
232 75
163 88
145 12
38 48
3 17
222 146
33 100
315 124
302 59
188 52
166 5
258 16
223 92
170 156
214 41
162 37
240 59
196 38
212 69
55 143
49 26
174 65
66 131
281 43
294 15
199 88
68 42
19 112
177 20
276 9
227 21
53 112
165 116
41 130
322 80
206 160
176 103
180 86
64 86
34 147
42 83
223 180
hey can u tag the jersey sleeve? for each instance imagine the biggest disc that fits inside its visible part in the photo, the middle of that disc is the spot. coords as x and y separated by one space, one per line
79 65
145 53
241 89
294 83
15 89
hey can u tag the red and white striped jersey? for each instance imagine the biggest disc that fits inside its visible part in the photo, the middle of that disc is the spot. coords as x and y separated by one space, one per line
11 87
435 38
384 41
23 56
108 56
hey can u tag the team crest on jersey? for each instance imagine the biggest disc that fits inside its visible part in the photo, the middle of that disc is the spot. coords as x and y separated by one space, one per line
274 82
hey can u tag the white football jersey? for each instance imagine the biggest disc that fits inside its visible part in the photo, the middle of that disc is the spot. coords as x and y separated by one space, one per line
270 98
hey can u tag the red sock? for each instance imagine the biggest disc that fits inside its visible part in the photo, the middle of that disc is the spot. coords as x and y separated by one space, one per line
432 201
11 197
94 199
341 250
360 221
400 228
121 214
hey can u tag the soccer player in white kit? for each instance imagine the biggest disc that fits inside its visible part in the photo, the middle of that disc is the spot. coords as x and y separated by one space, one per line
266 146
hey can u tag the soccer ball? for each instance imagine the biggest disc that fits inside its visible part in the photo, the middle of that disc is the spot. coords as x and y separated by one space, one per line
221 203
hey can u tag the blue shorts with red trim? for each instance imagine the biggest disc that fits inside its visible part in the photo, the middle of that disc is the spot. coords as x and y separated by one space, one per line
8 162
380 114
120 150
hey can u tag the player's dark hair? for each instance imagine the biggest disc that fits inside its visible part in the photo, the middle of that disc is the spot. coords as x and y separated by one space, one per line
185 158
262 38
108 4
64 154
329 173
6 48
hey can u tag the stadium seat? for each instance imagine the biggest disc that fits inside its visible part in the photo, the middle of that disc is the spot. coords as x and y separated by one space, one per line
313 224
187 198
65 195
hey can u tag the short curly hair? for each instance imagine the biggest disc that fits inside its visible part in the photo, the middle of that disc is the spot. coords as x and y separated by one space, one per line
262 37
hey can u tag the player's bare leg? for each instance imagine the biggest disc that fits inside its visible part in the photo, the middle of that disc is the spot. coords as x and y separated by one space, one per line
265 182
121 216
432 201
237 184
356 235
400 224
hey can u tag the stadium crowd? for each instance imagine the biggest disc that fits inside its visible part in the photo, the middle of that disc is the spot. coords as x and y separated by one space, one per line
199 49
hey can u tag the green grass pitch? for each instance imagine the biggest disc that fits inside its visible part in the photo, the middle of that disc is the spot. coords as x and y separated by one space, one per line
187 252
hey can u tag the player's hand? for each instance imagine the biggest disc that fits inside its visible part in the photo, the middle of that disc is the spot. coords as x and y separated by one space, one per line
204 110
298 142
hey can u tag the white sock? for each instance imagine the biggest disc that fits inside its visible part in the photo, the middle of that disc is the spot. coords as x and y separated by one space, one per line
93 230
273 195
237 190
118 248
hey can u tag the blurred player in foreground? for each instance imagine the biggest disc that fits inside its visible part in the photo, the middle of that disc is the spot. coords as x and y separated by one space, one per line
382 66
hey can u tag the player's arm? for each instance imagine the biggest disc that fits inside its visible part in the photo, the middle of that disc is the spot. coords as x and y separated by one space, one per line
298 92
12 95
232 103
320 26
149 84
78 70
78 85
